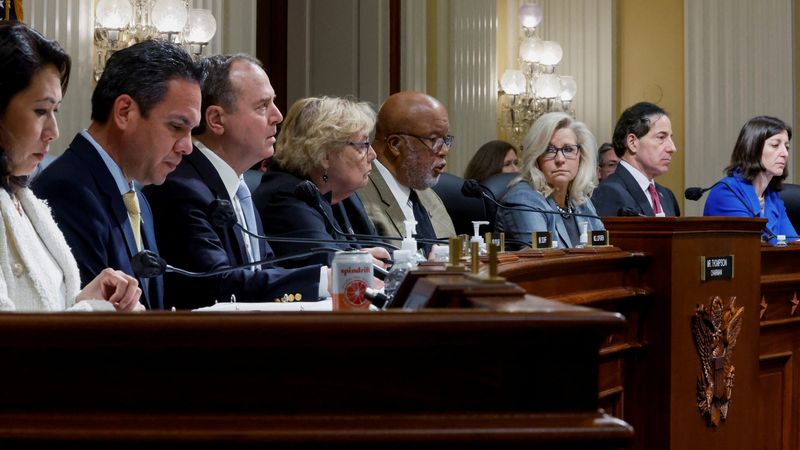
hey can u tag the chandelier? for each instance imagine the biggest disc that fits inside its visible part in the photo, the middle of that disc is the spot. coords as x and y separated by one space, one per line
534 89
121 23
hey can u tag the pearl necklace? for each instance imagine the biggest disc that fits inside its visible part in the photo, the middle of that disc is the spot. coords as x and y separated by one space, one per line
565 213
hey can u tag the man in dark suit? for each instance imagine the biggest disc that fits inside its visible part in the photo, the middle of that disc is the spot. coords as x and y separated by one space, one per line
143 110
237 129
643 142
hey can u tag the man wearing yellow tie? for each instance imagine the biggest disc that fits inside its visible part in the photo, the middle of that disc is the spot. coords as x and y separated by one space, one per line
143 110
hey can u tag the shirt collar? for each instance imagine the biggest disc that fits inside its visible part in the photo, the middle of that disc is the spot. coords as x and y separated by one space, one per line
225 171
116 172
640 178
401 193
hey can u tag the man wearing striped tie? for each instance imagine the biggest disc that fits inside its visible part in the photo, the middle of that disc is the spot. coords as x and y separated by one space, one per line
237 129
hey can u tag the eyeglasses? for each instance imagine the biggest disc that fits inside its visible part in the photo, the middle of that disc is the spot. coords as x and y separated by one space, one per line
434 144
361 146
570 151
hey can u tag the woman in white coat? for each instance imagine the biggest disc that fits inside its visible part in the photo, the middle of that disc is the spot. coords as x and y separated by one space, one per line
37 269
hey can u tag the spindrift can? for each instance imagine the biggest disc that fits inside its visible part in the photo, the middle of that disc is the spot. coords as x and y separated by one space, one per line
352 275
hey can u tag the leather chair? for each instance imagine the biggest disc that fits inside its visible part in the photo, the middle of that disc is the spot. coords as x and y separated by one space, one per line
498 184
791 198
252 178
462 209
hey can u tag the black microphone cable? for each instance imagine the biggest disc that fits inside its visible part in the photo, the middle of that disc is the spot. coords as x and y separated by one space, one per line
307 191
222 215
472 188
148 264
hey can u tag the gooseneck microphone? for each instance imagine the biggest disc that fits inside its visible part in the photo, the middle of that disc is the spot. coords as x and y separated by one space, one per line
307 191
694 193
471 188
222 215
147 264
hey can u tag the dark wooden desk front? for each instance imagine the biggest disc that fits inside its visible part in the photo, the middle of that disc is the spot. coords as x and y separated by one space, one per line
525 376
649 372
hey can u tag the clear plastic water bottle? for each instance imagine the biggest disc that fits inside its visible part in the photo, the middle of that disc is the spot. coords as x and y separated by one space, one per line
402 264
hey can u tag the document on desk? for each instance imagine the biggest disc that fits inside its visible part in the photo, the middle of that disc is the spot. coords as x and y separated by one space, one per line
322 305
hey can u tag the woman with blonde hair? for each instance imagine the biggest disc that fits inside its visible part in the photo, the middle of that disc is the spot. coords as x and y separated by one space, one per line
559 172
324 140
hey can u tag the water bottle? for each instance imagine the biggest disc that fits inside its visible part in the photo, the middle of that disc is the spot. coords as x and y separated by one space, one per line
402 264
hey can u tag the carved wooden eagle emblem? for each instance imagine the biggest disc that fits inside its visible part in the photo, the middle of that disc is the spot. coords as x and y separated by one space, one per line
715 328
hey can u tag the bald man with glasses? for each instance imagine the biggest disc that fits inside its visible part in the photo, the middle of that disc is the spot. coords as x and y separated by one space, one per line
412 142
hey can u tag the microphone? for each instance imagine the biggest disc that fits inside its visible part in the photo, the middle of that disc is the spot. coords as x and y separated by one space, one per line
694 193
472 188
222 215
147 264
307 191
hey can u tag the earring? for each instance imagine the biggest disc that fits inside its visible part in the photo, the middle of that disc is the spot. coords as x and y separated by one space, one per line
325 177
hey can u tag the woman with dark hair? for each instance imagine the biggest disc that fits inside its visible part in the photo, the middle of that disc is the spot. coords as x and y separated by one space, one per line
492 158
36 264
755 176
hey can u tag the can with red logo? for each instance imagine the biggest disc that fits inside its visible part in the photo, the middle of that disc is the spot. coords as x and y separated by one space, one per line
352 275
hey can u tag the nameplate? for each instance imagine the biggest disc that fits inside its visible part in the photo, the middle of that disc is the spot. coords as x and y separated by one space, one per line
716 268
542 239
599 238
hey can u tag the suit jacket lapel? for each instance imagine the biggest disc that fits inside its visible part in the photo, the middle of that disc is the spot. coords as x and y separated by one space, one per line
212 179
357 215
636 191
561 229
387 197
107 187
666 200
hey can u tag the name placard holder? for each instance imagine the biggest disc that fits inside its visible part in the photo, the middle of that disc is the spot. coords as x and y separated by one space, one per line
716 268
599 238
542 239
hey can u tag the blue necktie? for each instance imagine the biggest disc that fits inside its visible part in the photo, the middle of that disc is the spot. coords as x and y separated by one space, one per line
246 202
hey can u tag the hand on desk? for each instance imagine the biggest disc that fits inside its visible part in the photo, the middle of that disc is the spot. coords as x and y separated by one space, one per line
116 287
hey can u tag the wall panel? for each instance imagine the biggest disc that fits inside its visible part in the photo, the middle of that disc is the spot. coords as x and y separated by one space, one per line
739 64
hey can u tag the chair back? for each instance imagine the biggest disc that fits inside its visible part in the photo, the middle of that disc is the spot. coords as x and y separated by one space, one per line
498 183
791 198
462 209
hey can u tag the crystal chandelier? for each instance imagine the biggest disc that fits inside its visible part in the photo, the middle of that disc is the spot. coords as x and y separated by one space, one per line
534 89
121 23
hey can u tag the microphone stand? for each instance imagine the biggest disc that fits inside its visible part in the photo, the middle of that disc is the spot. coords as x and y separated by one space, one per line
147 264
308 192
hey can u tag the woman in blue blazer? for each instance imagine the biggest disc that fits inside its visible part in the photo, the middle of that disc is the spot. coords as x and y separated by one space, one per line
559 172
755 175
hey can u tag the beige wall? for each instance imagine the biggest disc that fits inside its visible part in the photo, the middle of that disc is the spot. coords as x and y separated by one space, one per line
650 68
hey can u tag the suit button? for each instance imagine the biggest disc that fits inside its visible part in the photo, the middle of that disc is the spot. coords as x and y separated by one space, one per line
17 269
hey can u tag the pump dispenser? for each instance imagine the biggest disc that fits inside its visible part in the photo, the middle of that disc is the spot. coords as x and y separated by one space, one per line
476 236
409 243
